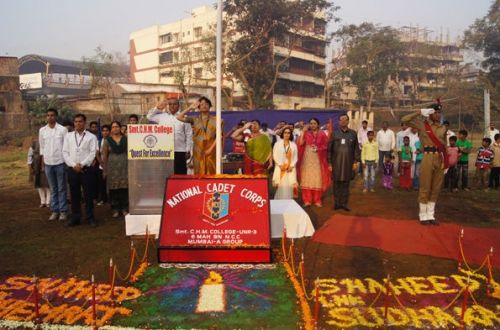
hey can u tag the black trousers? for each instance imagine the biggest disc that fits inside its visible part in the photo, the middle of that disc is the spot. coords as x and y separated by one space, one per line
180 166
77 181
102 190
451 178
495 177
341 193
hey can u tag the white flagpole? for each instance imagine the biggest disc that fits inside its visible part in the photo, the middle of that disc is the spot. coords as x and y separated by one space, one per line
218 97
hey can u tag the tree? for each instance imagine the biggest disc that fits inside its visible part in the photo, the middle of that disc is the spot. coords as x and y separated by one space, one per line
37 110
484 36
105 69
255 27
372 54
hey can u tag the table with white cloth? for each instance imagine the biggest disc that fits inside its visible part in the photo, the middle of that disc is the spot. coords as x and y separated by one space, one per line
286 212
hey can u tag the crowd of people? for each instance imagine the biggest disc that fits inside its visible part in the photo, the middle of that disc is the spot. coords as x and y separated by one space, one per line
303 157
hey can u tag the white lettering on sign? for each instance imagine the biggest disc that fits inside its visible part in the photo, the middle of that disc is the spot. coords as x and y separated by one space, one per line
183 195
253 197
220 187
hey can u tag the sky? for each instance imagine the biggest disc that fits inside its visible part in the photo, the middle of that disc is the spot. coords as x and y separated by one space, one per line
71 29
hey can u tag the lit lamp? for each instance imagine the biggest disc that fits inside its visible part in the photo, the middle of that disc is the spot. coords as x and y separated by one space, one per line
212 294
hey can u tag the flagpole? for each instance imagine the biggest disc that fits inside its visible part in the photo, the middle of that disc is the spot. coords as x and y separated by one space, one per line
218 96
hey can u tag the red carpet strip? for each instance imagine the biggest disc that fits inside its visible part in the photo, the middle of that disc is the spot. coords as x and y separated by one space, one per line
409 237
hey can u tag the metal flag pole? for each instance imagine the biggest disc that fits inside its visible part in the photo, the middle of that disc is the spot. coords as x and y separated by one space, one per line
218 97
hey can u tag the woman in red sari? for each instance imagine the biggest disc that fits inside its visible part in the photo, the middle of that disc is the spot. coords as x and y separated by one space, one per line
314 175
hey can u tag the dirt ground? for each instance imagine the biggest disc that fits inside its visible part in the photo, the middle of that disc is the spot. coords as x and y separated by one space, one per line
29 244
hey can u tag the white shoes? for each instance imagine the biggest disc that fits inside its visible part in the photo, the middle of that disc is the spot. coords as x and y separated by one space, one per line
54 216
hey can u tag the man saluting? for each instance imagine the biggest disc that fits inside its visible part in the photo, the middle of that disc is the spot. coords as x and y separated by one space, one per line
433 140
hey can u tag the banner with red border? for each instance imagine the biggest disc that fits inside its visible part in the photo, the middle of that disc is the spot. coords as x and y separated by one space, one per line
215 219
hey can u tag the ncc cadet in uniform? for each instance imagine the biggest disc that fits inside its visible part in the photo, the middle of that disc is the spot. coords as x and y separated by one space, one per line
433 139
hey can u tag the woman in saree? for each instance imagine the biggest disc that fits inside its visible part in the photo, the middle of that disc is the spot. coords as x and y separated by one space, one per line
258 149
314 175
285 155
204 136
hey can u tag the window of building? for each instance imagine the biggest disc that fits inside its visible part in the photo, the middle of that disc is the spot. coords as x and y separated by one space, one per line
197 32
198 72
198 52
165 38
166 57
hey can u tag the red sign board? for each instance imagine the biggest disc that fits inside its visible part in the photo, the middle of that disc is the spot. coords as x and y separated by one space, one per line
215 219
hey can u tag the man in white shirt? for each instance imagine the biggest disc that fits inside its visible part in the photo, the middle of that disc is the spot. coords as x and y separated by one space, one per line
183 132
363 138
51 138
386 142
79 152
492 132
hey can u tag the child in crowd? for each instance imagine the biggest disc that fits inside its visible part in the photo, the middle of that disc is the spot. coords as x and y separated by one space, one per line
405 156
388 170
465 147
451 178
369 160
483 163
495 164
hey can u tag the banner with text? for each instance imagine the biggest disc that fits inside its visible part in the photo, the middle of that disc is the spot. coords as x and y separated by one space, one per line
214 219
150 142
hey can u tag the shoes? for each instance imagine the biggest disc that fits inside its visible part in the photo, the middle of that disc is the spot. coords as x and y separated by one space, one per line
466 189
365 190
372 190
307 204
318 204
42 205
54 216
99 203
346 208
336 207
116 214
455 190
63 216
433 222
425 222
93 224
124 213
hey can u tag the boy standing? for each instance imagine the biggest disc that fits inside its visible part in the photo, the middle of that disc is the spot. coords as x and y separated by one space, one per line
369 160
483 163
465 147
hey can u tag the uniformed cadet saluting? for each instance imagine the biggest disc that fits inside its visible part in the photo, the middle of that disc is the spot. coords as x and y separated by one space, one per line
433 138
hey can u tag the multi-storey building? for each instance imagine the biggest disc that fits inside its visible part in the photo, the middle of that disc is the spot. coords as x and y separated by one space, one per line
181 53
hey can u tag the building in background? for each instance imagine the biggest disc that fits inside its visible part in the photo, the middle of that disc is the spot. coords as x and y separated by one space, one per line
181 53
42 75
13 113
428 62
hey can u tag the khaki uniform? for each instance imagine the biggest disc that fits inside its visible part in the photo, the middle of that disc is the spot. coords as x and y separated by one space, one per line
431 168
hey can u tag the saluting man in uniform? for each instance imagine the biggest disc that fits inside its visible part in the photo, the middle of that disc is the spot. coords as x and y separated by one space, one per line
433 139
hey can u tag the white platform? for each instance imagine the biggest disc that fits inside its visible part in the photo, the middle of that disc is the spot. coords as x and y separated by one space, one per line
283 212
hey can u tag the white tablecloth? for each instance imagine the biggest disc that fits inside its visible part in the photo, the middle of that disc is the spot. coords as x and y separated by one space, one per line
288 213
283 212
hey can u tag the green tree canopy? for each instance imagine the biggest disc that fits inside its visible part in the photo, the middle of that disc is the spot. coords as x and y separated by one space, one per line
372 54
484 36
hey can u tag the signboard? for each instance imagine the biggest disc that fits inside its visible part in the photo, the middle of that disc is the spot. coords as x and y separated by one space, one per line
150 142
30 81
215 219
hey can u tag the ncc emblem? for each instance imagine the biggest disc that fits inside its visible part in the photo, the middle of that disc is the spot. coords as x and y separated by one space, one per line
216 207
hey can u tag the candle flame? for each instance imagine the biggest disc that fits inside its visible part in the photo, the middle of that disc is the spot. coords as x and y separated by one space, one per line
214 278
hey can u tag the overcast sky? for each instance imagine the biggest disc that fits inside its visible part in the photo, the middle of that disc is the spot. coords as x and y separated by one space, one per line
74 28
